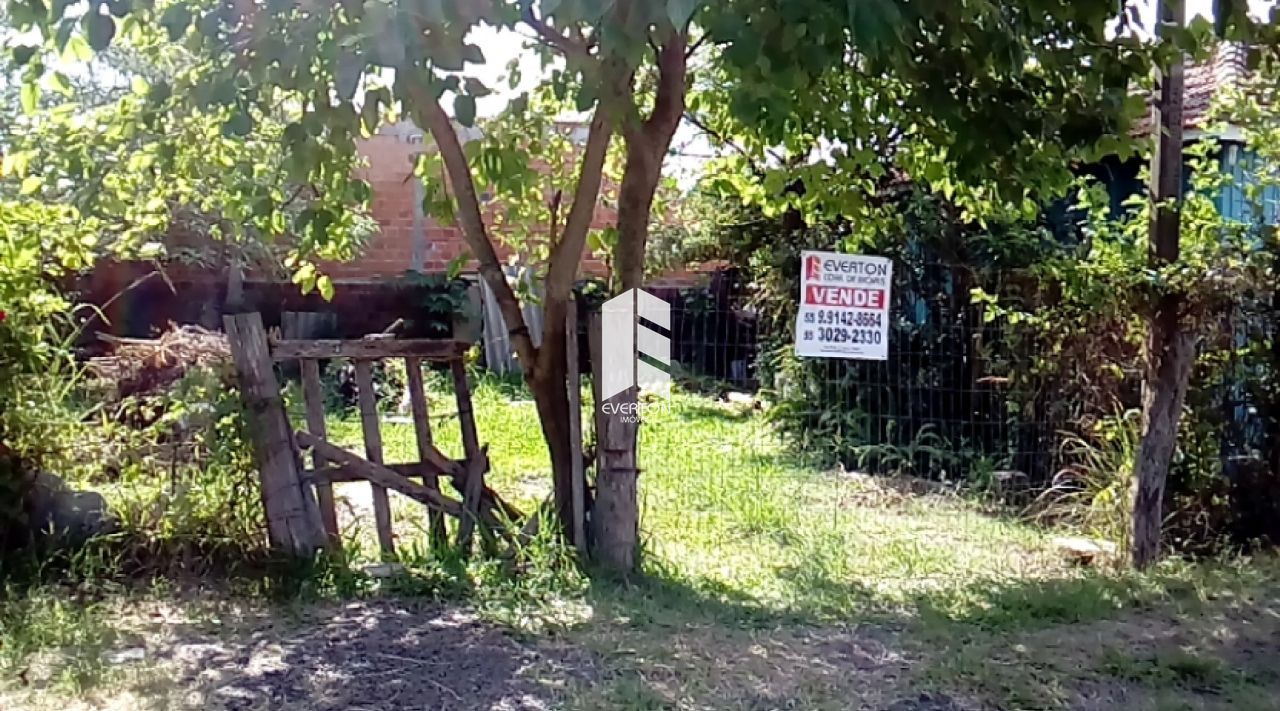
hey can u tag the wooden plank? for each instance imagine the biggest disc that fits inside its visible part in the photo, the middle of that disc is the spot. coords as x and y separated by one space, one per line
422 432
595 347
473 484
368 402
427 349
337 473
293 518
313 397
574 384
384 477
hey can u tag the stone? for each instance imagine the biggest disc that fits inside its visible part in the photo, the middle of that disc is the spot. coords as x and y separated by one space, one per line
1083 551
383 571
58 513
127 656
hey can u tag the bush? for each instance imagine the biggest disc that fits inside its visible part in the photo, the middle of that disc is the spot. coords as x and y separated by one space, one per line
37 370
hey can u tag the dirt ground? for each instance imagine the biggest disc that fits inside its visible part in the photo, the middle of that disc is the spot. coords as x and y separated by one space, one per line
1204 643
398 655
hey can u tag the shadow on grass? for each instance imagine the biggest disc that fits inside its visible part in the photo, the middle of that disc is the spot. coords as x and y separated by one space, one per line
1182 635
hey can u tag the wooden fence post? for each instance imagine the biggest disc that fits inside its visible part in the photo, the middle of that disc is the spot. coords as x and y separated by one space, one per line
578 486
422 431
368 401
313 397
293 518
595 335
473 485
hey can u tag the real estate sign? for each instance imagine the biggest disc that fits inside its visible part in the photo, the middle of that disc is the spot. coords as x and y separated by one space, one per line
844 306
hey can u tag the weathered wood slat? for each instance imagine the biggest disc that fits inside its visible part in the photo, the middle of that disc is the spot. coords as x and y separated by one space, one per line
595 348
574 384
293 518
384 477
473 484
427 349
313 397
422 433
368 402
337 474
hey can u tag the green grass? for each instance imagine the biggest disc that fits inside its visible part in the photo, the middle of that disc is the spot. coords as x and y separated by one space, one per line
772 582
726 510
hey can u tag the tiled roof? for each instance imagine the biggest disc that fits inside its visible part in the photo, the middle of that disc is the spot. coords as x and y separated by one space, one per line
1202 83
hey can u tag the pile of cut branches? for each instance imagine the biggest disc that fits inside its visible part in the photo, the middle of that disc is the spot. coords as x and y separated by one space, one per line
140 366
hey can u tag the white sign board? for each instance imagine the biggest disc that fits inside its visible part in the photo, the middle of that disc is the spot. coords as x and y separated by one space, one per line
844 306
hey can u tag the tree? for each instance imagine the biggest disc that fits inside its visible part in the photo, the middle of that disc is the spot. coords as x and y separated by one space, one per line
1170 347
344 67
986 105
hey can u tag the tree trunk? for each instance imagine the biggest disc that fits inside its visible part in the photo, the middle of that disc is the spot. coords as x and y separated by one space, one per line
1170 353
1170 347
615 518
552 400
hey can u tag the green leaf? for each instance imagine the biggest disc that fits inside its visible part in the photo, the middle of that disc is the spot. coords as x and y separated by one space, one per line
347 73
325 285
160 92
681 11
175 21
464 109
874 23
23 54
472 53
475 87
370 111
99 30
30 97
433 11
139 85
586 98
454 268
240 124
60 83
306 277
30 184
77 49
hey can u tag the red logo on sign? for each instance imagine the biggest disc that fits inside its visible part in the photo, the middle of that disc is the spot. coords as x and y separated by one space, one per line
813 267
844 296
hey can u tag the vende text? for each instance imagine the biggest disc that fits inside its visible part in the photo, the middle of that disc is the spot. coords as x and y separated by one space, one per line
844 296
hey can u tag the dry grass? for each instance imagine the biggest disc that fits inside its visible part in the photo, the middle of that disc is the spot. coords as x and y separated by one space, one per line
770 585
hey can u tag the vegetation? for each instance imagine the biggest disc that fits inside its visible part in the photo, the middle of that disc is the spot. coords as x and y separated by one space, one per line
897 574
791 535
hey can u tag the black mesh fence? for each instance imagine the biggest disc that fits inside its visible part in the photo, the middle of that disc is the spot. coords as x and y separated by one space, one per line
756 441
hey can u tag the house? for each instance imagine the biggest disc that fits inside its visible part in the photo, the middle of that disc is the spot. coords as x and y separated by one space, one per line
371 291
1204 82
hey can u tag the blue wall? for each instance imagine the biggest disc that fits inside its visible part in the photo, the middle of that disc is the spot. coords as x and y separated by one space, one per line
1241 164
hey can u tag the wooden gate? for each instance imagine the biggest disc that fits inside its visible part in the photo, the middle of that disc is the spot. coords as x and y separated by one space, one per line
299 501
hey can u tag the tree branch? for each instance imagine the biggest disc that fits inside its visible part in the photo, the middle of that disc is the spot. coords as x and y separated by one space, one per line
572 49
693 46
669 104
567 252
474 232
725 141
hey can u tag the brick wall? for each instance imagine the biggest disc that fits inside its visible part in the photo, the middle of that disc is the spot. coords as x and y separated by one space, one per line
391 252
149 306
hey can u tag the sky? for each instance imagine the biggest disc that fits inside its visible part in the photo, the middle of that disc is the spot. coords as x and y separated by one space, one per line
501 47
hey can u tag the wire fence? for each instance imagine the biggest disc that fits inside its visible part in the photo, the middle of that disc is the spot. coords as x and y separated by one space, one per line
771 445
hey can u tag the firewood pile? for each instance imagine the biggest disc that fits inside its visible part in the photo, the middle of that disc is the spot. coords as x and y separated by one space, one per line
143 366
